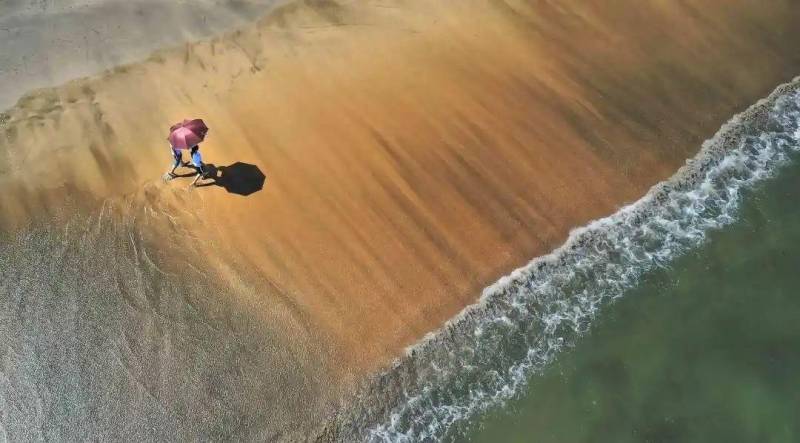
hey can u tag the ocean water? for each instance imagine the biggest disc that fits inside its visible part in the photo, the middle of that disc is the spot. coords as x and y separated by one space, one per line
484 360
703 350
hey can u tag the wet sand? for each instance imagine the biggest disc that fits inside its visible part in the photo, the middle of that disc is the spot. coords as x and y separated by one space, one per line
414 152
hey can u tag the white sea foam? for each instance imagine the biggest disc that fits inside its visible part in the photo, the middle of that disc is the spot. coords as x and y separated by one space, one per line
485 355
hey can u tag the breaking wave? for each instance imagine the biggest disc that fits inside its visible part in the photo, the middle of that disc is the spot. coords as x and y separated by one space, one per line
485 355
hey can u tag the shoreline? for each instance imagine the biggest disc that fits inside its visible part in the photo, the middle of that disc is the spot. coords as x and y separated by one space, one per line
616 249
411 156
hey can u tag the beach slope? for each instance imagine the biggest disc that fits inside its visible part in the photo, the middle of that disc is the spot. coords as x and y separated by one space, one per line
414 152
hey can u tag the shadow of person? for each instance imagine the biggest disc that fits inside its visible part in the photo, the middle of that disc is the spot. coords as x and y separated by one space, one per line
238 178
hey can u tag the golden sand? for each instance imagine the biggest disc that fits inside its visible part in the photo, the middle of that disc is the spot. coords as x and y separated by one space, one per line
415 151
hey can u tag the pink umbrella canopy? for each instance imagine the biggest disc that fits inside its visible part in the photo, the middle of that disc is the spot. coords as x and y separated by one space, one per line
187 133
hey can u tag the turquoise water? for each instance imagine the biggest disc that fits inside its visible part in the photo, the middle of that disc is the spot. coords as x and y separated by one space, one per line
705 350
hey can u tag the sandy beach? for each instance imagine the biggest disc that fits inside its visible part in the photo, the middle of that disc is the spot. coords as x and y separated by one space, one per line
47 42
414 152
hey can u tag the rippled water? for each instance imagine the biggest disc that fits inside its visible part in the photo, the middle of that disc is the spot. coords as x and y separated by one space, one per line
704 350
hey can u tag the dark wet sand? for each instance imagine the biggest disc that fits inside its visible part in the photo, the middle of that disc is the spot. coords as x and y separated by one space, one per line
414 151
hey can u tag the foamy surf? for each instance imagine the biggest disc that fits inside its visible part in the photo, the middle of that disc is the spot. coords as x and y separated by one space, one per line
485 355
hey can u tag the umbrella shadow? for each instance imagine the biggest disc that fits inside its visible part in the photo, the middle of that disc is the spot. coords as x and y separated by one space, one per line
237 178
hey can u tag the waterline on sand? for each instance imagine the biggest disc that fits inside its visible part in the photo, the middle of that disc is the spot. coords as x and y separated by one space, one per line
485 355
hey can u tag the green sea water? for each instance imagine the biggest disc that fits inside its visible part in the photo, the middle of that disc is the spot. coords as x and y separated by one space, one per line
706 350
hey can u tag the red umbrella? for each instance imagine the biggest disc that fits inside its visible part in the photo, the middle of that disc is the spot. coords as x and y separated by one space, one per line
187 133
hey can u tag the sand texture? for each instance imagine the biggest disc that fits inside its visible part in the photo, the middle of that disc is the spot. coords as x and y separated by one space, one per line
414 152
47 42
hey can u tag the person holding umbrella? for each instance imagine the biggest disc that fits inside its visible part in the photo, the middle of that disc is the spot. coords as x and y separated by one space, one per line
177 156
187 135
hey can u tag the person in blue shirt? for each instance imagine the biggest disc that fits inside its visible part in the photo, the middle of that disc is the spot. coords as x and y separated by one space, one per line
197 162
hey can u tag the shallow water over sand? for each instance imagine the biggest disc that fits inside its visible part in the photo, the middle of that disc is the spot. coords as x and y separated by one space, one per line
702 351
